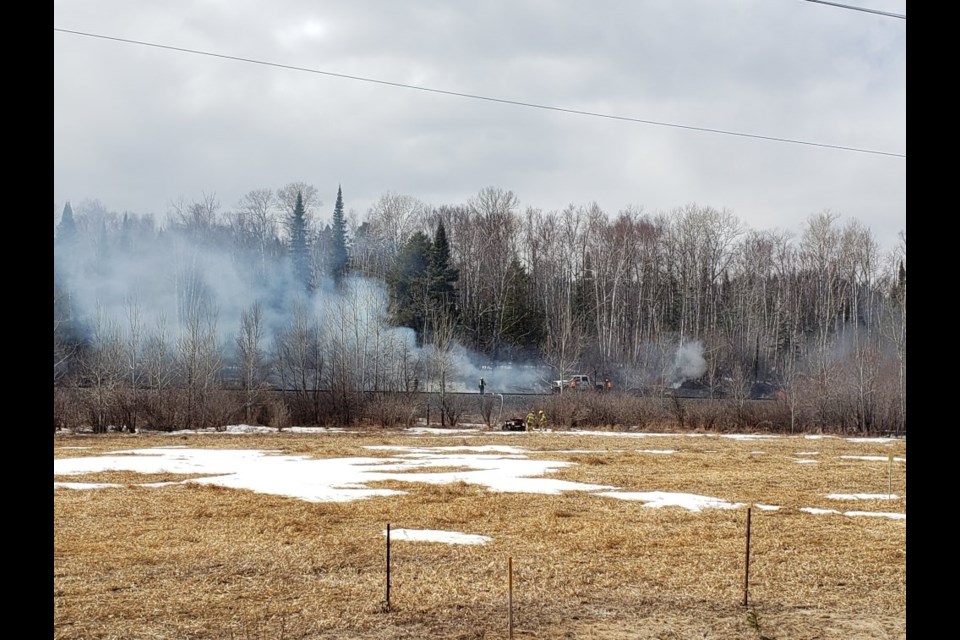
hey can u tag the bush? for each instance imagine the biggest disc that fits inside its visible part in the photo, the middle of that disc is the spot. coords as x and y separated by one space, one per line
66 409
452 408
604 409
391 410
278 415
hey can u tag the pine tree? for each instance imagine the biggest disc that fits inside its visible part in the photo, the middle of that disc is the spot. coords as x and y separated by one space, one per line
339 254
299 249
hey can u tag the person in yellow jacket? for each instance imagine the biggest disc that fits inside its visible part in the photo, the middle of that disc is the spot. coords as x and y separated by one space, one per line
530 421
541 419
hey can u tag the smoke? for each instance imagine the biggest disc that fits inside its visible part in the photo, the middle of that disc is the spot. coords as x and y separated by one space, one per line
161 280
499 377
166 283
111 271
688 363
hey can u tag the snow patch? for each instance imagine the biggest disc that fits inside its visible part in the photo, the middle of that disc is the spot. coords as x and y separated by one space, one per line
433 535
657 499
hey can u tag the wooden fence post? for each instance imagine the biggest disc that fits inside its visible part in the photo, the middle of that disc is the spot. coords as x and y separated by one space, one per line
388 566
510 595
890 475
746 571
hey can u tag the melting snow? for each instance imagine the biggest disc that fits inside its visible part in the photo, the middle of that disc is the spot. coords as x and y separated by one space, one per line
488 448
877 514
658 499
432 535
497 467
872 514
335 479
85 485
628 434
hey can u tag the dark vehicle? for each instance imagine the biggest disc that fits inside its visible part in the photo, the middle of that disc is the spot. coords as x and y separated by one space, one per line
515 424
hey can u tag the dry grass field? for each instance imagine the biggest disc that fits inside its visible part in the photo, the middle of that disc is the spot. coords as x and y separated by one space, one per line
188 561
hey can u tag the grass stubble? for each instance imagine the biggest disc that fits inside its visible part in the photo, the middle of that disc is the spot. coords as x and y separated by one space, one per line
189 561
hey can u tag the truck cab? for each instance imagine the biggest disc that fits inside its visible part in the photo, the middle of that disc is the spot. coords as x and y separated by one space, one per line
577 382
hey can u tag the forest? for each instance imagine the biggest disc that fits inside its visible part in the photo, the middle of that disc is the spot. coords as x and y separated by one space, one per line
280 310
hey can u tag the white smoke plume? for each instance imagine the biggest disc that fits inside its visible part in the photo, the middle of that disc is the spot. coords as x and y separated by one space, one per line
688 363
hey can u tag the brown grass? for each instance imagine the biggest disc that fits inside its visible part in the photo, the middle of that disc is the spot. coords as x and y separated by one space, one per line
194 561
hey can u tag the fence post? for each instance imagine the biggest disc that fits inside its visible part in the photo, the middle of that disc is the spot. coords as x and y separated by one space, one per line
889 475
388 566
510 595
746 571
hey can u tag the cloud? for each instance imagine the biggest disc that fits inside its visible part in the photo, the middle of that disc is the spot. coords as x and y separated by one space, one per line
137 126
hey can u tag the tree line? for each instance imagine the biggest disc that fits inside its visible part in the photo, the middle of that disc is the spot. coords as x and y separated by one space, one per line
162 317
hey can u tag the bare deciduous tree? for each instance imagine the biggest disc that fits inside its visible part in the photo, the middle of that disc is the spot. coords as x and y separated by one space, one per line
299 358
102 369
251 358
199 362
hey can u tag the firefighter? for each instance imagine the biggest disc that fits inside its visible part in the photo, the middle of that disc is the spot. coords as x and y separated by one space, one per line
529 424
542 420
482 385
609 385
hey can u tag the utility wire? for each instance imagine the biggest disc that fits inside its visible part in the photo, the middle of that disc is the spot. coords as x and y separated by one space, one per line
479 97
864 9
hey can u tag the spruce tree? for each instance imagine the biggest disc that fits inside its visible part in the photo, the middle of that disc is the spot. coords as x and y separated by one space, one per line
409 284
65 243
441 275
67 229
523 316
339 255
299 249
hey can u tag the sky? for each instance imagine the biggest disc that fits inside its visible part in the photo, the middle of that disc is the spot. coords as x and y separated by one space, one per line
267 103
498 468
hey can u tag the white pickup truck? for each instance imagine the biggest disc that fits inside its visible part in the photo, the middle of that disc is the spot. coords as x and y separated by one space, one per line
578 382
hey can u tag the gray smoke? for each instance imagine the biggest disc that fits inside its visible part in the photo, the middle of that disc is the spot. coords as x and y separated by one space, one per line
498 377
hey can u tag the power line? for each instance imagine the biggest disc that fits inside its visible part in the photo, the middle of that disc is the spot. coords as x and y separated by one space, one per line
864 9
480 97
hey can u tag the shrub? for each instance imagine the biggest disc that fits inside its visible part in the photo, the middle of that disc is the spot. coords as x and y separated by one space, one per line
390 410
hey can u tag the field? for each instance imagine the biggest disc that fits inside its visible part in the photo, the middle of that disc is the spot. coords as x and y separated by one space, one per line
184 560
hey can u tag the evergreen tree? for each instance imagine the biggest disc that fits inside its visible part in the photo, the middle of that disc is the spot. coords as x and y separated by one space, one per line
900 289
523 317
67 229
65 244
339 255
441 275
66 335
299 250
409 284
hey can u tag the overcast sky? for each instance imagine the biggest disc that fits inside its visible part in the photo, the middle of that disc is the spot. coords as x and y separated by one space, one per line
138 126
